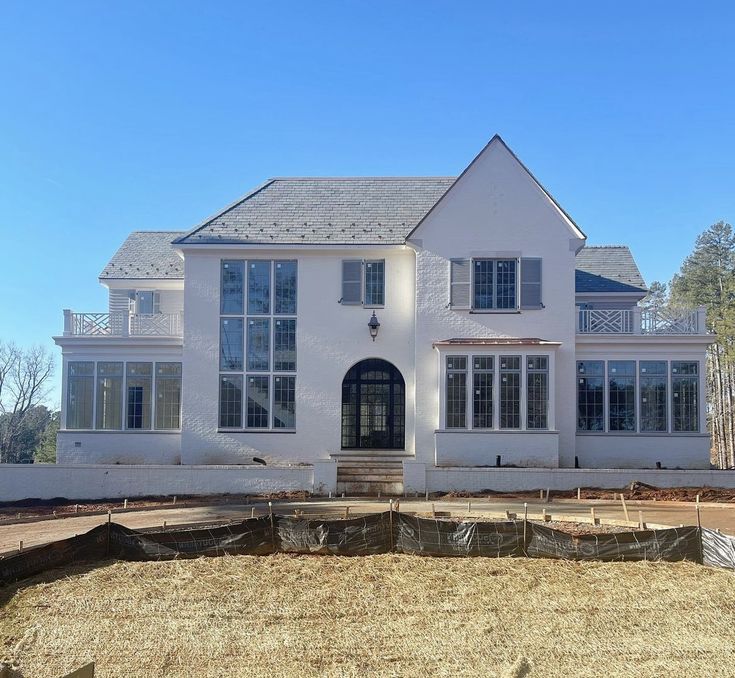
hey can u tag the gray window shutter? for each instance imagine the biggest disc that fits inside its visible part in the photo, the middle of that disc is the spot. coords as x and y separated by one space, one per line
531 283
351 281
459 283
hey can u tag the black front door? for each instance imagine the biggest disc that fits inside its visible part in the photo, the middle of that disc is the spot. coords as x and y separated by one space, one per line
373 407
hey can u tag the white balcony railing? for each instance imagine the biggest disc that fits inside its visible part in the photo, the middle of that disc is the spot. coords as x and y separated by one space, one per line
122 324
641 321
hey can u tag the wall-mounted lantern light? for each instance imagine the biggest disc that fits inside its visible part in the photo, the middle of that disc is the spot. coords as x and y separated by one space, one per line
374 326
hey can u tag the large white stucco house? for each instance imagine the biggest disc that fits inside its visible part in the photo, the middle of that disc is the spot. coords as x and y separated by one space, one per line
503 339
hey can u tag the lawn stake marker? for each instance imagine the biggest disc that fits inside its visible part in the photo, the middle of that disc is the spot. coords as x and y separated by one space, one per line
625 508
579 493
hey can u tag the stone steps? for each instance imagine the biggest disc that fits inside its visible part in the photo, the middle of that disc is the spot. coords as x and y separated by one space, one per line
375 474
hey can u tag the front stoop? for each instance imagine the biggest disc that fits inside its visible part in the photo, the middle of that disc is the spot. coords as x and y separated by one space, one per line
370 474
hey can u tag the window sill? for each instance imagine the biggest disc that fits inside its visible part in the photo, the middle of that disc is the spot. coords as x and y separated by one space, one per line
134 431
256 430
644 434
532 431
491 311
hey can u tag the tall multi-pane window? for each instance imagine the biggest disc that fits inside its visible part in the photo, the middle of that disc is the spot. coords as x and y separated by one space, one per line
652 382
685 395
230 401
139 385
231 344
375 283
80 395
494 283
109 395
259 287
285 284
482 391
233 287
621 394
537 392
456 392
510 391
590 395
284 344
284 401
258 343
168 396
258 401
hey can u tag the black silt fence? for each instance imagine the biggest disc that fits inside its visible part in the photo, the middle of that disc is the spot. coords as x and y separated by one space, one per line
388 532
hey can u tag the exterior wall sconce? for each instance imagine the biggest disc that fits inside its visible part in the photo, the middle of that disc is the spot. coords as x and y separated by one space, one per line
374 326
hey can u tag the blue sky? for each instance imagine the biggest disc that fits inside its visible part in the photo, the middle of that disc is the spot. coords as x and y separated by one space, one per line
140 115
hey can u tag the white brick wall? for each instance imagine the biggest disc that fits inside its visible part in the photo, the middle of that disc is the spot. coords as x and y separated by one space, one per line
129 447
47 481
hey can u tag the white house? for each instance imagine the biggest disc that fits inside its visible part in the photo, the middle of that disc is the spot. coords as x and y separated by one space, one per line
498 337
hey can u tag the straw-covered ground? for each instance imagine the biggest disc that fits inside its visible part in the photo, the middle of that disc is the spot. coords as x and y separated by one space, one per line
390 615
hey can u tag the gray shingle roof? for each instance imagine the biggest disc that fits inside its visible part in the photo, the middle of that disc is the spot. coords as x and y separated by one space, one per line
324 211
607 268
146 254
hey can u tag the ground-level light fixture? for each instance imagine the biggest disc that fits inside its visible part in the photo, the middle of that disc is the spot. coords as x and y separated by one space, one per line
374 326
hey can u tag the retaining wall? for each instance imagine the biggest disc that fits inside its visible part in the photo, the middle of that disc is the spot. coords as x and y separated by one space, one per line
419 478
96 481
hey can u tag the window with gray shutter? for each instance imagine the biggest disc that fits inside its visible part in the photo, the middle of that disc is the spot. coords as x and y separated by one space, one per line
459 283
351 281
531 283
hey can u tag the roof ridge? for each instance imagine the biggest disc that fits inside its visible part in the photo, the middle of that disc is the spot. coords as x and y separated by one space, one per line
364 178
605 247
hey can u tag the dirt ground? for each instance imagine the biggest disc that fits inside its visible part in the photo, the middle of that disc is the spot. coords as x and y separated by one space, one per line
63 507
30 508
390 615
640 492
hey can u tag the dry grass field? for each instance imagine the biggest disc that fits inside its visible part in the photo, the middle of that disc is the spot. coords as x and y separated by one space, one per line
391 615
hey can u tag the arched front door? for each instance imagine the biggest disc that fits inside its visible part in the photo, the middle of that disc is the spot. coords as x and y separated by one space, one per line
373 407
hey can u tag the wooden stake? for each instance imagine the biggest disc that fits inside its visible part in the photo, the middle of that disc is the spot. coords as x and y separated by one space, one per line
174 499
525 524
125 504
699 518
427 496
469 507
20 546
641 524
76 508
625 507
579 493
541 494
164 525
252 512
433 512
592 514
347 512
548 495
390 517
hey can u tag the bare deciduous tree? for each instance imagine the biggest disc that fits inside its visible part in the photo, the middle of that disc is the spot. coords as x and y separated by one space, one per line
24 384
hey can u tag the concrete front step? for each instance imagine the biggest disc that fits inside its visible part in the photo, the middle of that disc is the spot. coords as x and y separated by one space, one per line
370 488
372 468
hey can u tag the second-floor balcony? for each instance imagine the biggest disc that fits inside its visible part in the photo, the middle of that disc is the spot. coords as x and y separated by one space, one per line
641 321
122 324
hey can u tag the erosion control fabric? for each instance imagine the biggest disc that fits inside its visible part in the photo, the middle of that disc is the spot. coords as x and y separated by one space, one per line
377 533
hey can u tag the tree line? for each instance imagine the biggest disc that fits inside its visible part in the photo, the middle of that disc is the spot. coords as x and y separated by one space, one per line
707 278
27 427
